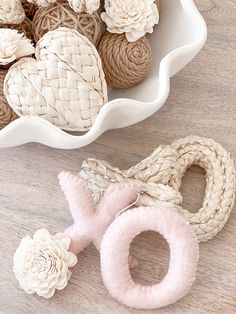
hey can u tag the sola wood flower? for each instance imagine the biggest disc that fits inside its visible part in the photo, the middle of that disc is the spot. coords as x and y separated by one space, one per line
89 6
41 263
11 12
13 45
135 18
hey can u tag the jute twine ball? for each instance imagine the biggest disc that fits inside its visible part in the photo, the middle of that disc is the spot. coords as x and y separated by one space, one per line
24 27
6 113
125 64
30 8
60 14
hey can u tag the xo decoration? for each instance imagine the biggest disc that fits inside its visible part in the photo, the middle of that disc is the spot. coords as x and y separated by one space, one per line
111 207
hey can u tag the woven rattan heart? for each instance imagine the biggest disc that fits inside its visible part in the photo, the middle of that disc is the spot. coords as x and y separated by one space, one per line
65 85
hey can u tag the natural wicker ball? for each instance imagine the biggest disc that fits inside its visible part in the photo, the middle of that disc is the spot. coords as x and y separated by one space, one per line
125 64
60 14
25 27
30 8
6 113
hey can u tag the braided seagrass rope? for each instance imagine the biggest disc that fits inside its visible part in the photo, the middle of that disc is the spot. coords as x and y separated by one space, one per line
166 166
11 12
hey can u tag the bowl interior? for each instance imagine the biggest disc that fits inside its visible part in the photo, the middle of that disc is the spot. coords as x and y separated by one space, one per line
175 29
179 36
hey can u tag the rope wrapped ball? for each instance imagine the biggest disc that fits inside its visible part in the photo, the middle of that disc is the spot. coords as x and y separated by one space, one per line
24 27
30 8
60 14
125 64
6 113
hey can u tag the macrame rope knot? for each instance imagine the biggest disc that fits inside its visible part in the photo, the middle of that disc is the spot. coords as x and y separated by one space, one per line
161 174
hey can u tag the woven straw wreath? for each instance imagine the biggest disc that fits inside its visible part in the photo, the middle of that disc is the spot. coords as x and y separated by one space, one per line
65 85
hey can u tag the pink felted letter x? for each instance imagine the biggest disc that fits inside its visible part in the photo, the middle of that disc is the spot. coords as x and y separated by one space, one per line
91 221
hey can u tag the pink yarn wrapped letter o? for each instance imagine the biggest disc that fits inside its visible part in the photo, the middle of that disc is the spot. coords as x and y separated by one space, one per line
184 254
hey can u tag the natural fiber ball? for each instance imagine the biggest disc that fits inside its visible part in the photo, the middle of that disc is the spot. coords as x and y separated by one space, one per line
60 14
24 27
125 64
30 8
6 113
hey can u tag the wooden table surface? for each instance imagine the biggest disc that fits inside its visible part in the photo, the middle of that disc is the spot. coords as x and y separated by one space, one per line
202 102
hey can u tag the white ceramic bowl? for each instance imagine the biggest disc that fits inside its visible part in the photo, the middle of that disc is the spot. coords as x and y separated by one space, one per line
176 40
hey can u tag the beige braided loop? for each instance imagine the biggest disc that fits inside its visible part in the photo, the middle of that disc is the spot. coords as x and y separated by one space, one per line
11 12
162 172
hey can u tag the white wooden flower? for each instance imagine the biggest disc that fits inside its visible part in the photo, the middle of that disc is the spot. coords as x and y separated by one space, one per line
13 45
135 18
89 6
41 263
11 12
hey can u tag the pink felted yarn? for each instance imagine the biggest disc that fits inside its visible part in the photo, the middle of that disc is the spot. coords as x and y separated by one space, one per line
184 255
91 221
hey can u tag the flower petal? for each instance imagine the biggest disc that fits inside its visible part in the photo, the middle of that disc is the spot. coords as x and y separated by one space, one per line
41 264
64 240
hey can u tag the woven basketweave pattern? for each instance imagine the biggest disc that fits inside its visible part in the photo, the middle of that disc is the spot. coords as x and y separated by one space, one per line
11 12
163 170
66 84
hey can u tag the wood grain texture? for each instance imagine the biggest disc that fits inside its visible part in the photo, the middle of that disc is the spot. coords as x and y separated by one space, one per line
202 102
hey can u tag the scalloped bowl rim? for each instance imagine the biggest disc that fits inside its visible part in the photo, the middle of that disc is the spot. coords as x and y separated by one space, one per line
33 129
